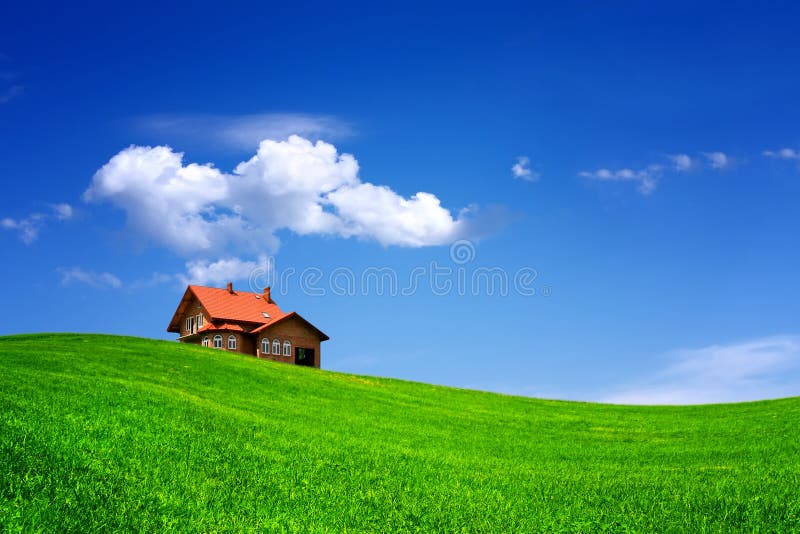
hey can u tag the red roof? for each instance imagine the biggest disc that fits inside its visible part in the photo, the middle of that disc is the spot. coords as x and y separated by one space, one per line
221 326
236 306
228 309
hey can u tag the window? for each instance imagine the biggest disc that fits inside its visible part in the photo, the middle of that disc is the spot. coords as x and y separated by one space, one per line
265 346
265 314
205 341
199 320
217 342
276 347
287 348
188 324
232 342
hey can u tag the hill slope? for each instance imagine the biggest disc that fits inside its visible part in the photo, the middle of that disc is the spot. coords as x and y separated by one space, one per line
103 432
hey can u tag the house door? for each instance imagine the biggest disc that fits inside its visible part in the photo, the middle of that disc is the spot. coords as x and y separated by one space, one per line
304 356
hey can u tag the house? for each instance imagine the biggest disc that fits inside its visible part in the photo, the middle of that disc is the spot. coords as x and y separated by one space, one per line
246 322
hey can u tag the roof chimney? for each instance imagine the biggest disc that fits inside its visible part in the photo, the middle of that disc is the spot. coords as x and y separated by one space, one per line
230 288
268 296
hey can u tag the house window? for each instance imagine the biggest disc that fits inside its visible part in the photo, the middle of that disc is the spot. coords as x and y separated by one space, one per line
287 348
188 324
265 346
199 320
217 342
205 341
232 342
276 347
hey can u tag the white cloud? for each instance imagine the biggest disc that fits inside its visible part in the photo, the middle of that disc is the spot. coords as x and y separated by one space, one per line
681 162
219 272
90 278
166 201
62 212
522 170
783 153
379 213
646 178
29 227
717 160
308 188
243 131
758 369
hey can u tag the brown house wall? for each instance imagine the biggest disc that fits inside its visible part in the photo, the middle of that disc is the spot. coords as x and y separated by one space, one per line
193 310
244 342
297 333
247 344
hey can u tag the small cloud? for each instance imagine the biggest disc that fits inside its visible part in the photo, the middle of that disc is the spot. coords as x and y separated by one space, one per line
762 368
647 185
204 272
62 212
717 160
646 178
90 278
225 270
681 162
521 169
783 153
243 132
29 227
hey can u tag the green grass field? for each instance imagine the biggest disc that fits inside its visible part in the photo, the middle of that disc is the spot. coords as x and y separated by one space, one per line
110 433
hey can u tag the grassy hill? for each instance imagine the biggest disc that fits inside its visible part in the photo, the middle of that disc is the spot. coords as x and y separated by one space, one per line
109 433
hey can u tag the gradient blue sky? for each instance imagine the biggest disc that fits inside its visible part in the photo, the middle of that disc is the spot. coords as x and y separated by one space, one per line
656 194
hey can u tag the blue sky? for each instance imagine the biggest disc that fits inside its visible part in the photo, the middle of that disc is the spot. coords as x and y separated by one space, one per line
642 159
